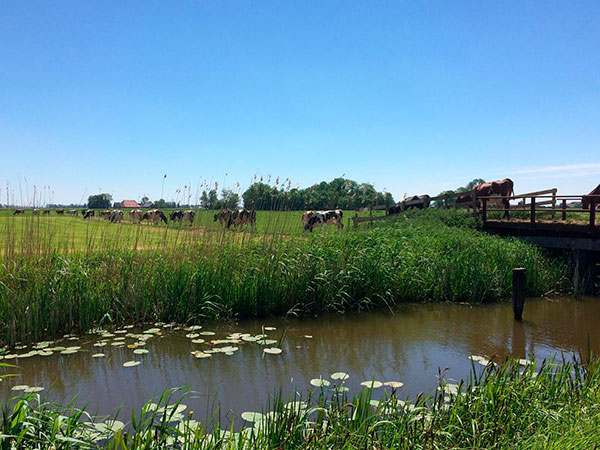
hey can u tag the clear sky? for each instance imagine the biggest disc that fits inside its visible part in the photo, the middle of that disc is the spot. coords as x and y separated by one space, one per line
415 97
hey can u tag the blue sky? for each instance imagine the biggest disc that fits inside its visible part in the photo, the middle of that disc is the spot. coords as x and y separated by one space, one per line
415 97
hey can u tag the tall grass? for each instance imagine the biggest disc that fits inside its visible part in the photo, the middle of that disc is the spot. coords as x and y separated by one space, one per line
545 406
237 275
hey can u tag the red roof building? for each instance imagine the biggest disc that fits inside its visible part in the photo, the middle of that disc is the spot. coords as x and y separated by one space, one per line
132 204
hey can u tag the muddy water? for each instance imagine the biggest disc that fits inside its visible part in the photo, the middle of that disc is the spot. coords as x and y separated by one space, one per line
409 346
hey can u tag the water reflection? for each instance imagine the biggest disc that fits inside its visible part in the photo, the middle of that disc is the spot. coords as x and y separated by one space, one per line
408 346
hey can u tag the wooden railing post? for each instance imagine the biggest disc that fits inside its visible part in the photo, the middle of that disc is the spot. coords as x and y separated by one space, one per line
474 198
564 209
484 211
553 202
532 219
592 214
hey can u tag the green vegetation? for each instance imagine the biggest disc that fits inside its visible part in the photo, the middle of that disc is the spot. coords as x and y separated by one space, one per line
338 193
207 275
548 406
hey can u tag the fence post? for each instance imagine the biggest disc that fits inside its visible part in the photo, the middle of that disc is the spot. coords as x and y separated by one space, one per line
518 291
474 198
532 212
564 209
553 203
592 214
484 211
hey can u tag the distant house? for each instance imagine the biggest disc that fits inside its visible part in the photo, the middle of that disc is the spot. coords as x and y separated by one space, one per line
127 204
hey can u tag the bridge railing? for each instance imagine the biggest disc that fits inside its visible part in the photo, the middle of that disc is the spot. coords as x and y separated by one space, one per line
543 203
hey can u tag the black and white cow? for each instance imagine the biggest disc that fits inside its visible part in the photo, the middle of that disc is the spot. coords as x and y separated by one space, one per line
116 216
189 216
176 216
88 213
222 216
155 215
106 214
312 219
241 217
16 212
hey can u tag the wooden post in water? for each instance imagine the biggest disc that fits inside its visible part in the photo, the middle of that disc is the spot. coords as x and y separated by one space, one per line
518 291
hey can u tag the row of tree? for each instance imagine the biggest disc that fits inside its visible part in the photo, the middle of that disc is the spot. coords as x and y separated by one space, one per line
338 193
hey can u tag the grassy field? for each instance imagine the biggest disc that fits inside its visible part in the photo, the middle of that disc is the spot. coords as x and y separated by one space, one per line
28 233
544 406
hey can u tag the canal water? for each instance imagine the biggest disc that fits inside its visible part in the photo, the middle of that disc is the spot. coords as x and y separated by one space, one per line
409 345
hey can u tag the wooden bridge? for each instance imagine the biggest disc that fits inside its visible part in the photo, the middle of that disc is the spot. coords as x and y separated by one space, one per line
542 218
545 219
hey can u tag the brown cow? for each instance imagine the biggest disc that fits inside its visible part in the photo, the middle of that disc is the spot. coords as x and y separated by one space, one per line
60 212
136 215
46 212
18 211
587 200
497 192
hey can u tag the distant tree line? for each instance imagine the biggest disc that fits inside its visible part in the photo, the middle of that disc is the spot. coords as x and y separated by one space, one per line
338 193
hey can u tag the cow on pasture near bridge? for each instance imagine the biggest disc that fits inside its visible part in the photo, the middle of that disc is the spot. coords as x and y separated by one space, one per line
185 216
586 200
498 191
155 215
312 219
88 213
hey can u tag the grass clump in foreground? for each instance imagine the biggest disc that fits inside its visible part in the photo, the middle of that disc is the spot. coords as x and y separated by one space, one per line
45 295
550 406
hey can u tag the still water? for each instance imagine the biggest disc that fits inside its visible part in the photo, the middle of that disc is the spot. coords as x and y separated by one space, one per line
410 346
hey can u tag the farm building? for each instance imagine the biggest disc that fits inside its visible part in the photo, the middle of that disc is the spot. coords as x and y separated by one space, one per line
127 204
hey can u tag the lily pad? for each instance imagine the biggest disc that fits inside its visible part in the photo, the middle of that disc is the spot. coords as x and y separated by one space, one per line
394 384
372 384
31 389
140 351
198 341
308 336
319 382
195 327
249 416
98 355
270 328
207 333
131 363
272 350
192 335
340 376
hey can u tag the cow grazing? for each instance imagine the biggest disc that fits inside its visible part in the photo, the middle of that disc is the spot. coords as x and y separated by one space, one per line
116 216
46 212
241 217
222 216
176 216
155 215
16 212
36 212
60 212
106 214
498 193
189 216
136 215
72 212
587 200
88 213
312 219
